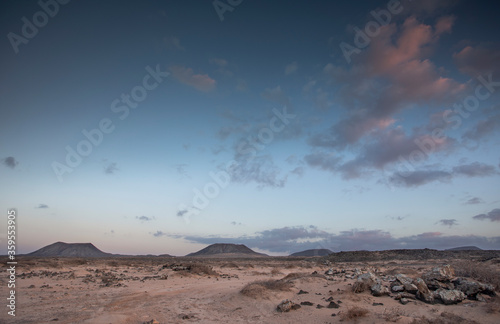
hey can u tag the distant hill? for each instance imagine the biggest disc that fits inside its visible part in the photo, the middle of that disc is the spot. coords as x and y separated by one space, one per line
313 252
226 249
410 254
465 248
61 249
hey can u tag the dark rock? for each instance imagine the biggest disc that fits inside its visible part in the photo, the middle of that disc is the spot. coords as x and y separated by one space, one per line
449 297
319 306
472 287
333 305
397 288
404 301
377 304
444 273
379 290
423 292
301 292
306 303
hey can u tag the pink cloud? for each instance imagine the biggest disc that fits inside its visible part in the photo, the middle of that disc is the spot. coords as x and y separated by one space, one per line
186 76
478 60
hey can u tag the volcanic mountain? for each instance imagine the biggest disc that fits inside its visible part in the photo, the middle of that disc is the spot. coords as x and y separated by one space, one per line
227 250
464 248
61 249
313 252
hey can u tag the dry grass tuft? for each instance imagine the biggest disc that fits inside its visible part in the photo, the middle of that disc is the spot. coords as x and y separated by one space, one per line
478 271
276 272
202 269
445 318
353 313
393 314
261 288
493 306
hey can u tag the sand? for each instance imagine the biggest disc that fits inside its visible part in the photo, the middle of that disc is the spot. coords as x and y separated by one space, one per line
141 290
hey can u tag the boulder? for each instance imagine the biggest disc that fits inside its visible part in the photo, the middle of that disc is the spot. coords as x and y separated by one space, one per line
411 288
330 272
404 301
449 297
404 295
403 279
444 273
423 292
472 287
397 288
364 282
379 290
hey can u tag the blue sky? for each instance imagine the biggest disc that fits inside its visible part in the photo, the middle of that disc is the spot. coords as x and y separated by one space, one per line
160 127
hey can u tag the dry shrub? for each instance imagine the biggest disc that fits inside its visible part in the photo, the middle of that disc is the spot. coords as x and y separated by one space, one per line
493 306
258 273
301 275
393 314
276 271
260 288
230 265
290 266
478 271
353 313
445 318
202 269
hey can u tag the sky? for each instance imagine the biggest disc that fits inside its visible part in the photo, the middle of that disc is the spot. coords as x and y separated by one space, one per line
152 127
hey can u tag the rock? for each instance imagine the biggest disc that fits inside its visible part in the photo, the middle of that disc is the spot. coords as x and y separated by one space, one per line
333 305
301 292
472 287
444 273
379 290
306 303
330 272
364 282
397 288
404 301
480 298
411 288
287 305
319 306
404 295
377 304
449 297
403 279
423 292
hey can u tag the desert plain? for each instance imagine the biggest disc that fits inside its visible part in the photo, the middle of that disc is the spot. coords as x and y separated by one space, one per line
238 289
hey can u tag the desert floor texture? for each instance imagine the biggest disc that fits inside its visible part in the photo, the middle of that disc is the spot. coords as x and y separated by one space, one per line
224 290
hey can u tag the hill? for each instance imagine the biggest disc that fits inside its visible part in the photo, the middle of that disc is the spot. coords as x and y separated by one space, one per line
61 249
226 249
415 254
313 252
465 248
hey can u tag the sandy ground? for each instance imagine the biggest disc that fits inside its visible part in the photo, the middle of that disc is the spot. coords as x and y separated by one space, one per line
142 291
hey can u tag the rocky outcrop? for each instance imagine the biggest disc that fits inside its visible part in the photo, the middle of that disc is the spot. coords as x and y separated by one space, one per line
436 286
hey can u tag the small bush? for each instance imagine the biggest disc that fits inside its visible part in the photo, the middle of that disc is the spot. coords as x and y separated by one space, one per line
445 318
260 288
202 269
353 313
275 272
